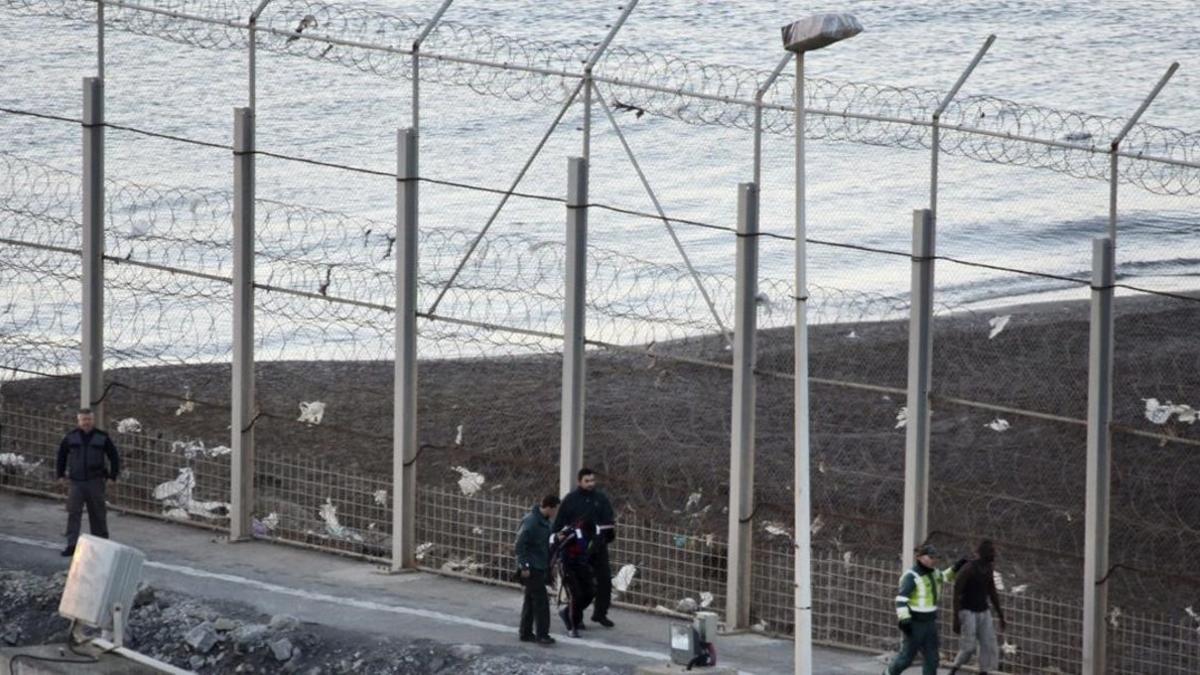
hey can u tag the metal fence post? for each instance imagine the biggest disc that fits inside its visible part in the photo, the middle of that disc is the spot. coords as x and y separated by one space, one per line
91 381
243 409
404 433
1099 457
920 358
741 455
573 377
802 460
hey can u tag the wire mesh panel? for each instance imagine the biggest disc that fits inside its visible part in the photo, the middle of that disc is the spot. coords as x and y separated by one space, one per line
1153 591
159 478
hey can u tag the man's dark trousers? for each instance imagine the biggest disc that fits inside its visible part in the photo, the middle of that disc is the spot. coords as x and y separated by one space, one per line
91 493
602 573
536 608
581 590
922 638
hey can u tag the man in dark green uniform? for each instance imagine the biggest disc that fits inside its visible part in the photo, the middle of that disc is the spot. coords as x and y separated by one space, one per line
916 609
533 561
81 458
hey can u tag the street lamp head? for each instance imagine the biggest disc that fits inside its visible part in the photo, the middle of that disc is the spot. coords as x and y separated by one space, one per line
819 30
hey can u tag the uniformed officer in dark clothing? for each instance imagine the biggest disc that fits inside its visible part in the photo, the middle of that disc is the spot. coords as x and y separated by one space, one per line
533 561
587 504
82 458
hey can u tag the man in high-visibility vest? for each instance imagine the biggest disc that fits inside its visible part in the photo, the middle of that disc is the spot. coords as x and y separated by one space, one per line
916 609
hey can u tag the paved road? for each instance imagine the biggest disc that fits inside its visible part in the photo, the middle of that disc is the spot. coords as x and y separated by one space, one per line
350 594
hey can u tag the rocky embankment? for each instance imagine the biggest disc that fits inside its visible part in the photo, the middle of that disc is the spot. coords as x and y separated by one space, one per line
210 637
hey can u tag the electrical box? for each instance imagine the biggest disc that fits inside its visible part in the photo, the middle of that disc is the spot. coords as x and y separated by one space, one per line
103 574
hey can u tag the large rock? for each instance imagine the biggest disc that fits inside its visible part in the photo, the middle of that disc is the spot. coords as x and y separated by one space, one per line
144 596
283 622
202 638
249 634
282 649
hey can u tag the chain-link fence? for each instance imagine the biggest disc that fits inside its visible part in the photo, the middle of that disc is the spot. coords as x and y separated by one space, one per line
1011 325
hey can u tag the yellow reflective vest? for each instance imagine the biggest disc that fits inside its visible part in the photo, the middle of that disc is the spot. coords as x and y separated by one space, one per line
920 588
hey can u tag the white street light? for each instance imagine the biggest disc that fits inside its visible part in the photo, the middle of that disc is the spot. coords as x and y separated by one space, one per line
814 32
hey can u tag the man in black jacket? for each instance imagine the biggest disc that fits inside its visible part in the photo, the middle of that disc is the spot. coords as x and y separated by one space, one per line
533 560
81 458
586 505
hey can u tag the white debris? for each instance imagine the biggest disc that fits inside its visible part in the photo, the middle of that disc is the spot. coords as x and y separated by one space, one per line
1185 413
380 497
1192 613
1020 589
471 482
902 417
423 549
693 501
1157 413
687 605
1160 413
817 525
998 323
311 412
1008 648
328 513
1113 616
709 539
458 435
176 514
998 424
176 496
194 449
998 579
623 578
478 531
207 509
465 566
271 521
760 627
187 405
15 462
662 609
852 335
129 425
776 530
178 490
847 557
706 599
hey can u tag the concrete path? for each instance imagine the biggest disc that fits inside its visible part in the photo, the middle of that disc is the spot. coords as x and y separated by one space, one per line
327 589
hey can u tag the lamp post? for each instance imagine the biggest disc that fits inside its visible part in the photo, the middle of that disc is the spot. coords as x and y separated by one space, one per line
805 35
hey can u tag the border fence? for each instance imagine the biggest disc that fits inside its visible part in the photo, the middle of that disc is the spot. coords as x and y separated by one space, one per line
405 373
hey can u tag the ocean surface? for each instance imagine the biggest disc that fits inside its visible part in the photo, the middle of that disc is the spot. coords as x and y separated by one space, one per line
1100 57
